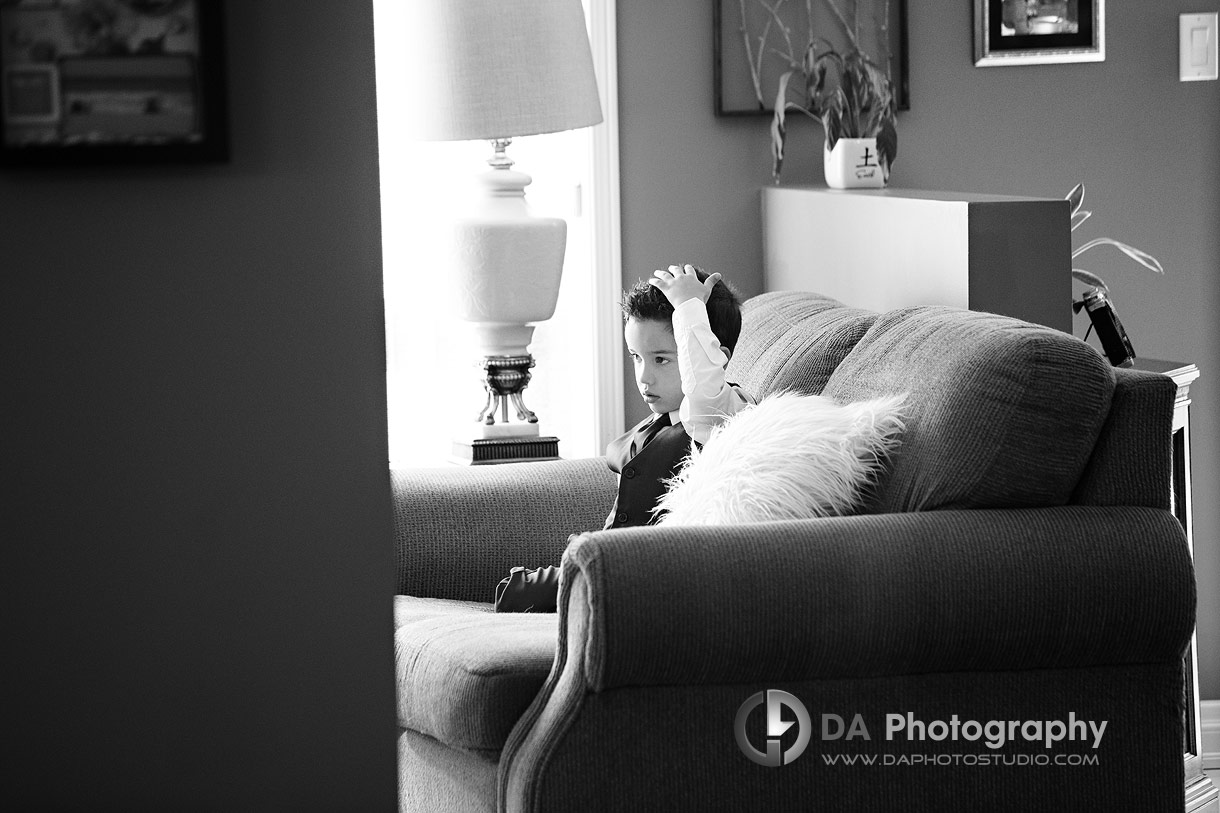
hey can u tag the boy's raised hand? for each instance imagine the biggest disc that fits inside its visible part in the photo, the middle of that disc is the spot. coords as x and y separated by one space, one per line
680 284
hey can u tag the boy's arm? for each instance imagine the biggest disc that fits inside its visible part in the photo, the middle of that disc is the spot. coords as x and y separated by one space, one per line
709 399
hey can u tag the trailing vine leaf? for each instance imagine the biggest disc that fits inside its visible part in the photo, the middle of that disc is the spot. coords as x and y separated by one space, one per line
1143 258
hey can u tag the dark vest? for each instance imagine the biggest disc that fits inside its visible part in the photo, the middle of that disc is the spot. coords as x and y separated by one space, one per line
641 478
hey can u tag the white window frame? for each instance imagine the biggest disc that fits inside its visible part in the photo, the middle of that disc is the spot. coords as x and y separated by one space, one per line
609 410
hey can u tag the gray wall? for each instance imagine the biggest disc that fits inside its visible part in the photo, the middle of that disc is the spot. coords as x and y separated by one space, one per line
197 522
1146 145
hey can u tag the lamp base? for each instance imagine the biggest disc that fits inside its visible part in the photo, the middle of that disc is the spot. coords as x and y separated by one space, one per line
504 377
482 452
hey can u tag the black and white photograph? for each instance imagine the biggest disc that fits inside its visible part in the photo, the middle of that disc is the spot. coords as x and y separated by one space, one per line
1038 32
516 416
756 41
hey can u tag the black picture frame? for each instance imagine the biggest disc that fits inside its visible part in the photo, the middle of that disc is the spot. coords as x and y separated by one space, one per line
1042 32
732 77
97 82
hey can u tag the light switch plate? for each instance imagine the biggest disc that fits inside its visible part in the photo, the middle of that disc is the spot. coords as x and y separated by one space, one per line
1197 49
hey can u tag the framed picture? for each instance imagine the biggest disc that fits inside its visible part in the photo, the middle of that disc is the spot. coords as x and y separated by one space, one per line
111 81
1038 32
755 41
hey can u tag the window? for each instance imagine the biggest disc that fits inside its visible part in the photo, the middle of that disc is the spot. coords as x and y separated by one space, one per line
433 381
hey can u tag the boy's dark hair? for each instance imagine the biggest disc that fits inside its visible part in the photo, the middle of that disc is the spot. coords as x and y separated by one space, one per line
646 301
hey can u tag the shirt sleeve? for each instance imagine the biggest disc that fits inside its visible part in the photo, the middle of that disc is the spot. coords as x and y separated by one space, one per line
708 400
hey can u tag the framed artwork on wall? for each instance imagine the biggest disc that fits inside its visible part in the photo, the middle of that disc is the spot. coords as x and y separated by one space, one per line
1038 32
111 82
755 41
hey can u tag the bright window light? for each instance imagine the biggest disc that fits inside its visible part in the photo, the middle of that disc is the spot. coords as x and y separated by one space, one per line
433 380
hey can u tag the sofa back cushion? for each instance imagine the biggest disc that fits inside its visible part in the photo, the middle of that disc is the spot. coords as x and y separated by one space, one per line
1001 413
791 341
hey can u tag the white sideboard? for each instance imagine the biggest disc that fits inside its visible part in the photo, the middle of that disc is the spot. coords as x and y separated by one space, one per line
882 249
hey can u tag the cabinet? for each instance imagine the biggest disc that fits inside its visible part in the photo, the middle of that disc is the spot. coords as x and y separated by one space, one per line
882 249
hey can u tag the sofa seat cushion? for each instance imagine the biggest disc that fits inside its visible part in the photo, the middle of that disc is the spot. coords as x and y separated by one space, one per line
791 341
1001 413
466 674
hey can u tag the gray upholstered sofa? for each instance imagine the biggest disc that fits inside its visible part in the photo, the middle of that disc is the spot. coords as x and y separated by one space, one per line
1016 562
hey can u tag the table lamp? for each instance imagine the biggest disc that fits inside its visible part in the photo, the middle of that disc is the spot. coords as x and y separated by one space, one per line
494 70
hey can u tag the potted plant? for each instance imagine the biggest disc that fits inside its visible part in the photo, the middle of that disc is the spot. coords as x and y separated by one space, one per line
1096 300
853 99
836 83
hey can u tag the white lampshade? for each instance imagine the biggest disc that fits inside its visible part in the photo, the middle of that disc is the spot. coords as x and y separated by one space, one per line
498 68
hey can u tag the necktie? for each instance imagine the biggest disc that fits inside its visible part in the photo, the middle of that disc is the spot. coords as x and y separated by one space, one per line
647 433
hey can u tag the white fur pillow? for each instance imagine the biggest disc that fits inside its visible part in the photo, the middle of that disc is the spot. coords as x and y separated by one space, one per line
788 457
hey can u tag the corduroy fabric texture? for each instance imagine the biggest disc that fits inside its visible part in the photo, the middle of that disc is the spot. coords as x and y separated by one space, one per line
530 745
672 748
466 674
434 778
1001 413
885 595
792 342
1132 461
458 531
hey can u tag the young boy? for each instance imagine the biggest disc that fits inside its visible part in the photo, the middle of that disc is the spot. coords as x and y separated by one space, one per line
680 328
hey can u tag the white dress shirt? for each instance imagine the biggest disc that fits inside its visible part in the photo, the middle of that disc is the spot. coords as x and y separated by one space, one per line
707 399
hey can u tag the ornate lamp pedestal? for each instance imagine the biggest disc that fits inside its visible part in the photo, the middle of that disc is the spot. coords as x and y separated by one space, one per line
505 377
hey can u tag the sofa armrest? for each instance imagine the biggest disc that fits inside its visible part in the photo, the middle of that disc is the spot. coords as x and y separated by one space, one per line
871 596
458 531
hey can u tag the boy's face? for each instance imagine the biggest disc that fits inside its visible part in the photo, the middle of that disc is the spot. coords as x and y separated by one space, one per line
654 352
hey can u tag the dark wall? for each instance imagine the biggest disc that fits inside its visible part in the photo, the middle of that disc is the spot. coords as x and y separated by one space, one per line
1146 145
197 517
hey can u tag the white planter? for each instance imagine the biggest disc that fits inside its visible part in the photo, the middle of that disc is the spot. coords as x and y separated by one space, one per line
854 164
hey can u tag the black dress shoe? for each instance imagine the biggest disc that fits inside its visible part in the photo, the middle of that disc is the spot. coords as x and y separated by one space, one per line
528 591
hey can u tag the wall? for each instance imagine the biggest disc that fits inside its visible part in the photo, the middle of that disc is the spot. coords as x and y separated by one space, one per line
1145 144
197 516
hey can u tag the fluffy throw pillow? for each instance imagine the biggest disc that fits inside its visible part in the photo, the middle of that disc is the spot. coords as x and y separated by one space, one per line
788 457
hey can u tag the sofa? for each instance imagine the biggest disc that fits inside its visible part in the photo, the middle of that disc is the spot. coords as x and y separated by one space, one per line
1012 581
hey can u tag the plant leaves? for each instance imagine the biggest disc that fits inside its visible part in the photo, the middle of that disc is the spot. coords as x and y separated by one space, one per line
779 133
1143 258
816 81
1089 278
887 142
833 120
1076 197
1079 217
